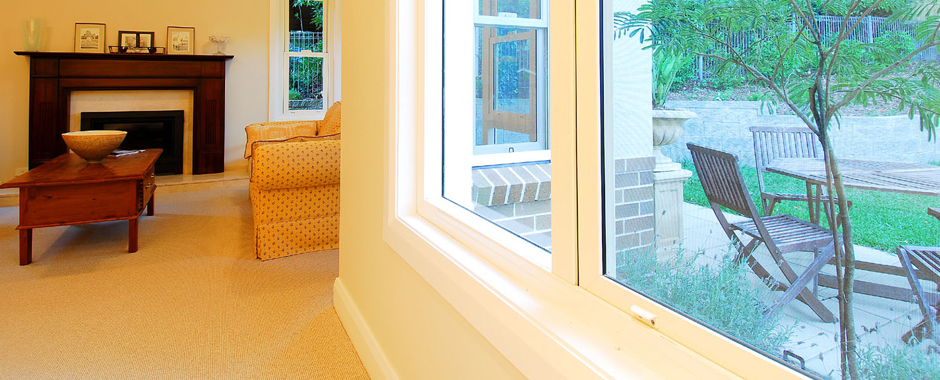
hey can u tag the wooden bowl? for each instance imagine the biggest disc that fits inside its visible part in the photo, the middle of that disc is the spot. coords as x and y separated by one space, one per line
94 145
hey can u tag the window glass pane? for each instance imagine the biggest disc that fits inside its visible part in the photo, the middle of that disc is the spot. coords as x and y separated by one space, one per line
510 8
499 109
306 26
726 233
509 87
671 251
306 83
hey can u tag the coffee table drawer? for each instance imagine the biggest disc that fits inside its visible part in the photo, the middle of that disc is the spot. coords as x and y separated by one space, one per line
147 186
65 204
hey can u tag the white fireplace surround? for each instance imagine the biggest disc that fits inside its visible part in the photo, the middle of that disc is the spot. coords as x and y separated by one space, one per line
137 100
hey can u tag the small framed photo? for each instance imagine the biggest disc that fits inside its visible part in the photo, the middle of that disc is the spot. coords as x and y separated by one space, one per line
180 40
127 39
90 38
145 39
135 41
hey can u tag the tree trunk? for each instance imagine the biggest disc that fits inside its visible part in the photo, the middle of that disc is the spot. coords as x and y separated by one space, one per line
845 260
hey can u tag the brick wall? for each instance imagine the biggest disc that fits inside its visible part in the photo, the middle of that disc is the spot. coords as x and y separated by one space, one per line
633 203
518 198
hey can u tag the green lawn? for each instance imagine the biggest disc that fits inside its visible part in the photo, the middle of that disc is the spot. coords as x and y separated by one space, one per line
880 220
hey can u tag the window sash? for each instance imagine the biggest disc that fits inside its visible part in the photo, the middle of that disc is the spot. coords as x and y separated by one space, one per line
541 24
285 81
279 77
594 174
415 205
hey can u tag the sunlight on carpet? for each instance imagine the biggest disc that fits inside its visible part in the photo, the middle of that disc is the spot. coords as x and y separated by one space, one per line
193 302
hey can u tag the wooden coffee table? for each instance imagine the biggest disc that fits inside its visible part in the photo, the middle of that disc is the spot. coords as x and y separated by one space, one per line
68 190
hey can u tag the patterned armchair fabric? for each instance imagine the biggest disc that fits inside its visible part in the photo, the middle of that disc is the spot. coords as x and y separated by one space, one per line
294 188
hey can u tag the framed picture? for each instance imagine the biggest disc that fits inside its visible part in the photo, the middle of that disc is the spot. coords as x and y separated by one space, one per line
180 40
135 41
90 38
145 39
127 39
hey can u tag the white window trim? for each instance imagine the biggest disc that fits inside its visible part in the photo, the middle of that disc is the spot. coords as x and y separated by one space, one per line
542 322
278 66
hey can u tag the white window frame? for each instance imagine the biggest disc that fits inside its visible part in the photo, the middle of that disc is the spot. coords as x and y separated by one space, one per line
543 322
279 66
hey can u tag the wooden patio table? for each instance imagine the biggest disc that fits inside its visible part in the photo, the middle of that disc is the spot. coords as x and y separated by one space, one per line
895 177
67 190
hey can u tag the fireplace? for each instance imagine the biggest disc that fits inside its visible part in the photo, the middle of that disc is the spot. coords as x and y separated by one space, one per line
145 129
53 76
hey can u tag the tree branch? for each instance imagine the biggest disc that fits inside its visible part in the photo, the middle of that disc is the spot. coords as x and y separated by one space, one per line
781 92
852 94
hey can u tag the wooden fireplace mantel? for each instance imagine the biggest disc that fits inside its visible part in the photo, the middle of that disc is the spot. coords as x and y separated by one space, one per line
53 77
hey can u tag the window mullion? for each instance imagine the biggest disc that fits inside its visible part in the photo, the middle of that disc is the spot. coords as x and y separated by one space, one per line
562 101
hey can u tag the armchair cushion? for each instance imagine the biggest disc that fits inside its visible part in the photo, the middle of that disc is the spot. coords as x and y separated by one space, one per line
331 122
279 131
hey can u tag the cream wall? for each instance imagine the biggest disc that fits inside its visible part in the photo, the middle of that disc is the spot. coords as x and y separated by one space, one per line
422 336
246 87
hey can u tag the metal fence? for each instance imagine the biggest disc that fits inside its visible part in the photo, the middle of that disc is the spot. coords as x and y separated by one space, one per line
306 73
868 31
300 41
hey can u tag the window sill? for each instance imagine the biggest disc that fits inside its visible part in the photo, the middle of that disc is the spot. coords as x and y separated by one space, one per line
544 326
301 115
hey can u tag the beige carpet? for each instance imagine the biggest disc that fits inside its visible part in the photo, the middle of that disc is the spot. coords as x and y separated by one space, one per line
192 303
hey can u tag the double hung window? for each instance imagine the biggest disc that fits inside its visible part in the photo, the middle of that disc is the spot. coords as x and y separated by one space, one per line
301 62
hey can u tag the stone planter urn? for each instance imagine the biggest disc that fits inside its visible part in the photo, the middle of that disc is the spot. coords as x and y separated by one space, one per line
668 178
667 129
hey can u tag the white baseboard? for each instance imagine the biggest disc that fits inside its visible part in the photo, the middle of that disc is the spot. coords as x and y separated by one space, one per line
371 354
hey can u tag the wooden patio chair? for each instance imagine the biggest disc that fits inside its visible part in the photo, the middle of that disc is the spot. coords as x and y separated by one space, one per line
922 262
771 143
781 234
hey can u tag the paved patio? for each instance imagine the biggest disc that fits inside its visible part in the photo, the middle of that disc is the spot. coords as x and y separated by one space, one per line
879 321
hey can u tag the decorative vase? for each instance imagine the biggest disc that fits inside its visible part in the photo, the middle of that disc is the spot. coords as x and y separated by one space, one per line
219 43
667 129
32 34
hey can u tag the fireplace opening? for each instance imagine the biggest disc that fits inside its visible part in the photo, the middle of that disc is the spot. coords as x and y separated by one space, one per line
145 130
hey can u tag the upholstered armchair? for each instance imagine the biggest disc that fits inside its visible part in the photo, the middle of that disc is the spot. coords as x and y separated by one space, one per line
294 185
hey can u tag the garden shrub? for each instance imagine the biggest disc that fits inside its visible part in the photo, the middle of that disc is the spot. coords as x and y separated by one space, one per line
895 44
294 95
899 362
722 297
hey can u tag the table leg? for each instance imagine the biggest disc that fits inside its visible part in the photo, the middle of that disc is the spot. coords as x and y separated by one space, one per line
26 246
811 204
820 205
150 205
132 238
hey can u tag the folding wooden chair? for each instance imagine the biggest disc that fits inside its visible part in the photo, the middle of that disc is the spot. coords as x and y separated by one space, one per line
771 143
922 262
724 186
